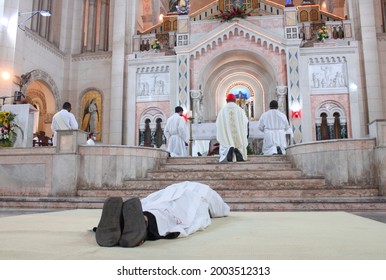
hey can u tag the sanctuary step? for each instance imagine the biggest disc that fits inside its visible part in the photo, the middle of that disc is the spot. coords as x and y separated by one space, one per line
263 183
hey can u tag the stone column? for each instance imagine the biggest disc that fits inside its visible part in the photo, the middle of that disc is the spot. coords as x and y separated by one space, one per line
281 92
195 95
318 124
117 73
294 97
183 62
330 125
371 60
91 25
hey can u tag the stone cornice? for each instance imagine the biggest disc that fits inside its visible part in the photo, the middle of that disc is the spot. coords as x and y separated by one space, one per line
44 43
381 36
92 56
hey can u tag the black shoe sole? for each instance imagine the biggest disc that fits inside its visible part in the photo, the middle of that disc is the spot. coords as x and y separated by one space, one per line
108 231
134 231
230 154
239 156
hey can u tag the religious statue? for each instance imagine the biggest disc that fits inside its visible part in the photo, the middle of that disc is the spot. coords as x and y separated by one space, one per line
91 117
289 3
183 7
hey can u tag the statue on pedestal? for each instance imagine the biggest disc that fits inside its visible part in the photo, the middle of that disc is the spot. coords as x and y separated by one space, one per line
183 7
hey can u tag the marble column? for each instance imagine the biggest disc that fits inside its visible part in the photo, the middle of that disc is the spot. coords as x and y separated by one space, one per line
318 128
330 125
118 73
371 60
281 92
343 128
196 95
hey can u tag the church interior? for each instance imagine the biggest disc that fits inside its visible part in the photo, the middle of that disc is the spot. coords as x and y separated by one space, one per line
124 65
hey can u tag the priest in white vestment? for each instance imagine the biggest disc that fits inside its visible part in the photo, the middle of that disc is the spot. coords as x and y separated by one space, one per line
232 131
274 124
176 211
184 208
63 120
176 134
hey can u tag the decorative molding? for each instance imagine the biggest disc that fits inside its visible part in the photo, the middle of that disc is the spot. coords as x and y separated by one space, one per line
331 107
327 59
92 56
45 77
152 114
44 43
238 27
381 36
153 69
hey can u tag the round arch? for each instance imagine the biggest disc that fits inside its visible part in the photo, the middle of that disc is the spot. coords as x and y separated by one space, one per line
243 66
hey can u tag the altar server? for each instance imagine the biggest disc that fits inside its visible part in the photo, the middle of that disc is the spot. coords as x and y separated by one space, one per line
274 124
176 134
63 120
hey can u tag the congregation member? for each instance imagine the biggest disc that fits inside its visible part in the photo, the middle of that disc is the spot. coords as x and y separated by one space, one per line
178 210
232 131
274 124
63 120
176 134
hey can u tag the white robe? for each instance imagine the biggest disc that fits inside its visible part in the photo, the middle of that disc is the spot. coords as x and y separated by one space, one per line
63 120
185 207
274 124
232 130
176 133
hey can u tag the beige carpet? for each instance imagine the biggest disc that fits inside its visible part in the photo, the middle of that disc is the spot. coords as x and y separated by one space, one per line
66 235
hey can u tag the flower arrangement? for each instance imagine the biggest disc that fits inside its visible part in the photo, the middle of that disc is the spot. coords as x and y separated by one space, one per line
8 128
156 45
322 33
236 11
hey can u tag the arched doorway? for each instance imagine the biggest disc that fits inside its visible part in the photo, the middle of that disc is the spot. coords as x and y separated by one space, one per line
40 95
239 67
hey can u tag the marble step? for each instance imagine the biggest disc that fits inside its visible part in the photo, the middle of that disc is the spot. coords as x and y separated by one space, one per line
234 183
236 204
214 159
233 166
246 193
223 174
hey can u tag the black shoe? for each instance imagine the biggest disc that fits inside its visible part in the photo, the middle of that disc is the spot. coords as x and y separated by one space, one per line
199 154
108 231
239 156
230 154
134 231
279 151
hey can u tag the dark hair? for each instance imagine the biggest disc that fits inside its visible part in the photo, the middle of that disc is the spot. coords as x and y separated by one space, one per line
179 109
67 105
273 104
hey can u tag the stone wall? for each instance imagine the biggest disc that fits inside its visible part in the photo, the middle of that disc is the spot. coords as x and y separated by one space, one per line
62 170
342 162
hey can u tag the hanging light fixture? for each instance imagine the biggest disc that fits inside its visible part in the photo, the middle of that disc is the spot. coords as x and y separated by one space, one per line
44 13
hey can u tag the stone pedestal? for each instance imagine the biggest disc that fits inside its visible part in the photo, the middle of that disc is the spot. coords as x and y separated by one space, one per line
25 120
69 140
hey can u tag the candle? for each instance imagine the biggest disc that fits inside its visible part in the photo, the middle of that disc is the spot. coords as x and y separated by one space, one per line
190 114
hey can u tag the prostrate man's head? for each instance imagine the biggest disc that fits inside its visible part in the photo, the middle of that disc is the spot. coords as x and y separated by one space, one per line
179 110
67 106
273 104
231 97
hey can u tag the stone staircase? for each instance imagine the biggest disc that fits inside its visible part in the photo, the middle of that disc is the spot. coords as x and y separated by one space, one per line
263 183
